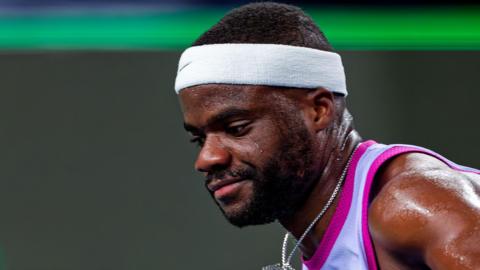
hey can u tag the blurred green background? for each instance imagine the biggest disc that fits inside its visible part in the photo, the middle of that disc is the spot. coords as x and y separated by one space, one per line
96 170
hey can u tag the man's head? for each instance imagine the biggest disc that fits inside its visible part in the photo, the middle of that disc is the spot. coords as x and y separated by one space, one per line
266 23
261 146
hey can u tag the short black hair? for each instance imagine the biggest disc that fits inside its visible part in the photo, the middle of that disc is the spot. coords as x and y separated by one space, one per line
269 23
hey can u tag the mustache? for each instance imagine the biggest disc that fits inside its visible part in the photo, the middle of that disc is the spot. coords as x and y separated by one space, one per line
244 173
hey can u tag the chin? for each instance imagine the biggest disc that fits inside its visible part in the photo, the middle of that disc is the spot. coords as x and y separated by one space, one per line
235 211
241 221
245 215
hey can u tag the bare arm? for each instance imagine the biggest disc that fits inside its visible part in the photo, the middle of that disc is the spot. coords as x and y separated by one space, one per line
427 209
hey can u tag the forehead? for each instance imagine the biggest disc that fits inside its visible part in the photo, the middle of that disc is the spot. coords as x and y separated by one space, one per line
215 97
209 95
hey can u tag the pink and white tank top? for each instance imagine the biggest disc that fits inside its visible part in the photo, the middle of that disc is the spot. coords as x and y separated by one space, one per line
347 243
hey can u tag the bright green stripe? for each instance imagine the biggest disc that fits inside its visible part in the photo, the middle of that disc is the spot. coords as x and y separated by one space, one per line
162 30
403 29
351 29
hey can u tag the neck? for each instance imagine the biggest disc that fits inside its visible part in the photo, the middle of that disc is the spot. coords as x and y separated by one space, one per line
337 151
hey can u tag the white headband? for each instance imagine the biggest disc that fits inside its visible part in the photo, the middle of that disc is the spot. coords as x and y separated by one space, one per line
261 64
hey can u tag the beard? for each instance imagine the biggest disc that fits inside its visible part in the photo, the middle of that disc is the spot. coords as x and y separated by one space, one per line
282 185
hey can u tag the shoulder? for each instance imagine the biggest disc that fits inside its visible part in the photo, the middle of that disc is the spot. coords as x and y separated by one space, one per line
424 205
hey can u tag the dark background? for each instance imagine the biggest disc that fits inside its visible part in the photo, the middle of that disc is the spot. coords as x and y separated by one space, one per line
97 173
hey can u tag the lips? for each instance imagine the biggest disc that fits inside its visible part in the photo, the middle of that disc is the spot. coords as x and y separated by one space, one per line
227 191
220 183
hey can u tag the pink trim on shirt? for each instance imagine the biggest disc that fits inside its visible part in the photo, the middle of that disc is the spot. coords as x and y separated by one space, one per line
336 224
451 164
379 161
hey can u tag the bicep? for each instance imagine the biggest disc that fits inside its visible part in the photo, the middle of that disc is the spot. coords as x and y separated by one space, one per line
432 213
460 250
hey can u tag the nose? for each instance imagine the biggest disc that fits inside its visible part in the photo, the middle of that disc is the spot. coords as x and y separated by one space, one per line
212 155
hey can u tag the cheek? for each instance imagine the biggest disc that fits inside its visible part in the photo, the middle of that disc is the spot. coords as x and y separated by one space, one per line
254 148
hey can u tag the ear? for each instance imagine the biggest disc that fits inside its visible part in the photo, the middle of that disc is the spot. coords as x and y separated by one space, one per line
320 108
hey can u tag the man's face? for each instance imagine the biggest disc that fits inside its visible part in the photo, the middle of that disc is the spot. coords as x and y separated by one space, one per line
255 150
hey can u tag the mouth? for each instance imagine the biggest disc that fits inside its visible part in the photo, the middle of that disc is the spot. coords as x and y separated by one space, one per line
225 187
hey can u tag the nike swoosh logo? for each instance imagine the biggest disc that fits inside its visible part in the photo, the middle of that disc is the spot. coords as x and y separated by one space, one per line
184 66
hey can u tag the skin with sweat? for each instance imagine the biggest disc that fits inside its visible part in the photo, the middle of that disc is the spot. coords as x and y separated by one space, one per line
252 139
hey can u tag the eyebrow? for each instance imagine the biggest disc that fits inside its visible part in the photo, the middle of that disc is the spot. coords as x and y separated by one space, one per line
222 116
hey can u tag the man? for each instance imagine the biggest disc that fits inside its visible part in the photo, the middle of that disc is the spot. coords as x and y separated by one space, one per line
263 95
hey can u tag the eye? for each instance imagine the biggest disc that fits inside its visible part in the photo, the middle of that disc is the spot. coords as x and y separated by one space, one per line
199 141
237 128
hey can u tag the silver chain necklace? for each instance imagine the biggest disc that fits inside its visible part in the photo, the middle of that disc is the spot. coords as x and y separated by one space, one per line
285 265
